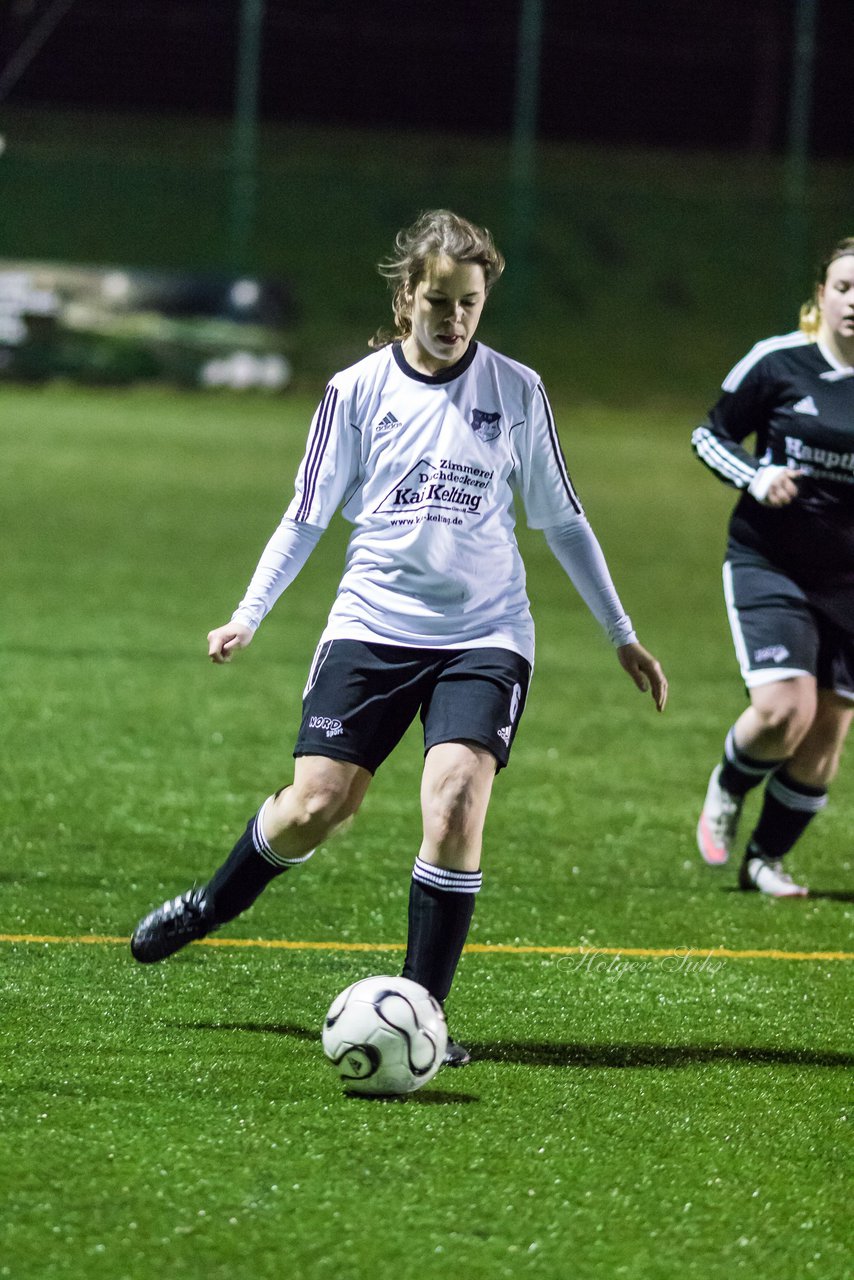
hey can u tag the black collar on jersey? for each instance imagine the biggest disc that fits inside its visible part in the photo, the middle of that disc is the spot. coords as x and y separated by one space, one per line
444 375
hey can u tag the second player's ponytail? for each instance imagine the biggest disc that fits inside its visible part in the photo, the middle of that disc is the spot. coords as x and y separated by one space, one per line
809 319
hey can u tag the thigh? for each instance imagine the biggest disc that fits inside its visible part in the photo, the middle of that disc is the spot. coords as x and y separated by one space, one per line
775 632
795 698
836 663
324 793
478 696
472 766
360 699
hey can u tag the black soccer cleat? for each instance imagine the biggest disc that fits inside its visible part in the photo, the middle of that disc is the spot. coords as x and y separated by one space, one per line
456 1055
169 928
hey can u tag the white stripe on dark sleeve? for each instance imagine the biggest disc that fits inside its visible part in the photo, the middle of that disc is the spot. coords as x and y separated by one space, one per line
711 451
739 372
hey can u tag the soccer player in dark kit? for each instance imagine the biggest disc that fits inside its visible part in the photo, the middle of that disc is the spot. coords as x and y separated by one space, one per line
425 444
788 576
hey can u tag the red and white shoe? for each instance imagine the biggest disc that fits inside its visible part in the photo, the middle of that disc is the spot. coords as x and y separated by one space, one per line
769 877
718 825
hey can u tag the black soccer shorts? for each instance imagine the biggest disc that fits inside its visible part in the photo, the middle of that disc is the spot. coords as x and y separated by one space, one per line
362 697
778 634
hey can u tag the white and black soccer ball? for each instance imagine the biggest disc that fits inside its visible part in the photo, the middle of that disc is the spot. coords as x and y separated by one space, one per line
385 1035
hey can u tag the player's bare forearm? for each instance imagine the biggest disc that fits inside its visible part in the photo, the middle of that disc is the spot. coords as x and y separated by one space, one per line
224 642
645 670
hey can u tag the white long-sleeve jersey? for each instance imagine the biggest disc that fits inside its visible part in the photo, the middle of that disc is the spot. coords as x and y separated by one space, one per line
427 469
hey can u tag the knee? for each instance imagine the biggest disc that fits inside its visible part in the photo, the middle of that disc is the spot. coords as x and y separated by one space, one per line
327 803
319 806
787 720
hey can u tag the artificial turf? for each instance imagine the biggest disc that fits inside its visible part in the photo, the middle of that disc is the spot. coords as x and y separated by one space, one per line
647 1099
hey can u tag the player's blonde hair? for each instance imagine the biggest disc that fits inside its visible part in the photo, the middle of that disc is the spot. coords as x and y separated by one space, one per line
809 321
436 233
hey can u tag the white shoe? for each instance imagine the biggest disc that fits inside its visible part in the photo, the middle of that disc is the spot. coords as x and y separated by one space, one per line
718 825
769 877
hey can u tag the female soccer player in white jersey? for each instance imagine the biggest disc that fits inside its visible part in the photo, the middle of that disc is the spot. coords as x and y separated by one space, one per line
788 576
425 444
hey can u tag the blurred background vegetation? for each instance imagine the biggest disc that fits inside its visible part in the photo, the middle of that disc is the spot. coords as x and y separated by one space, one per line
648 274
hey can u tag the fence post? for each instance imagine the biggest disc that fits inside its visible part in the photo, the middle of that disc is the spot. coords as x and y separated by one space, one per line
797 153
244 147
523 153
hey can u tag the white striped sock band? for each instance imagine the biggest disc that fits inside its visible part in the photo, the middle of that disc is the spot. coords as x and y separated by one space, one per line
797 800
746 764
263 846
444 878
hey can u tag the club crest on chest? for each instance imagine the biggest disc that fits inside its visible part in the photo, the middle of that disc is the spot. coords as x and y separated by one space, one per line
485 425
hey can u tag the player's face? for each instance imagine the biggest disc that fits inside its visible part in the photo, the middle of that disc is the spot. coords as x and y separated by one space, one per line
445 309
836 297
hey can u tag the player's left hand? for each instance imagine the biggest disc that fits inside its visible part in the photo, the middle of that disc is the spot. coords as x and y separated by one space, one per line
224 642
645 670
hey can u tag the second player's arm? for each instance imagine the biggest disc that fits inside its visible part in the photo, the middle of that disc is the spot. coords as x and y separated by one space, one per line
740 412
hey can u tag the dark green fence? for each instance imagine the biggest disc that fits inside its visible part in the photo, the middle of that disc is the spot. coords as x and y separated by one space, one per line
646 274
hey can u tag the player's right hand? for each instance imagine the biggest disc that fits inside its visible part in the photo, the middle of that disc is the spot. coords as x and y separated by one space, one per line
226 641
775 486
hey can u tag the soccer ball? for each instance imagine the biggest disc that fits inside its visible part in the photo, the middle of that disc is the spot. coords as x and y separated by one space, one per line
385 1035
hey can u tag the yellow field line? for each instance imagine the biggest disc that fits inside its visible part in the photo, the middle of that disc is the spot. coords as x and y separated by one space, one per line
475 948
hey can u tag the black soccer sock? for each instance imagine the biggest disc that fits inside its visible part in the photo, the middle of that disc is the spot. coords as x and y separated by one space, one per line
247 871
441 906
740 772
788 809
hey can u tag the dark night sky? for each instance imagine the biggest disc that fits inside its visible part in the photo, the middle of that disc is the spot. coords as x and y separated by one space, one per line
661 72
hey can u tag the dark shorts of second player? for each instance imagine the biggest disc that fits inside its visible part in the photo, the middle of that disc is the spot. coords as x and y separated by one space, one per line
777 633
362 697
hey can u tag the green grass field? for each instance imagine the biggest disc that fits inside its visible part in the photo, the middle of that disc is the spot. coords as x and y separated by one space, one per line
672 1105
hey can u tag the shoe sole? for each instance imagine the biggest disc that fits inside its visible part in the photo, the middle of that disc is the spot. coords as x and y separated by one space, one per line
145 951
748 886
142 955
799 893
